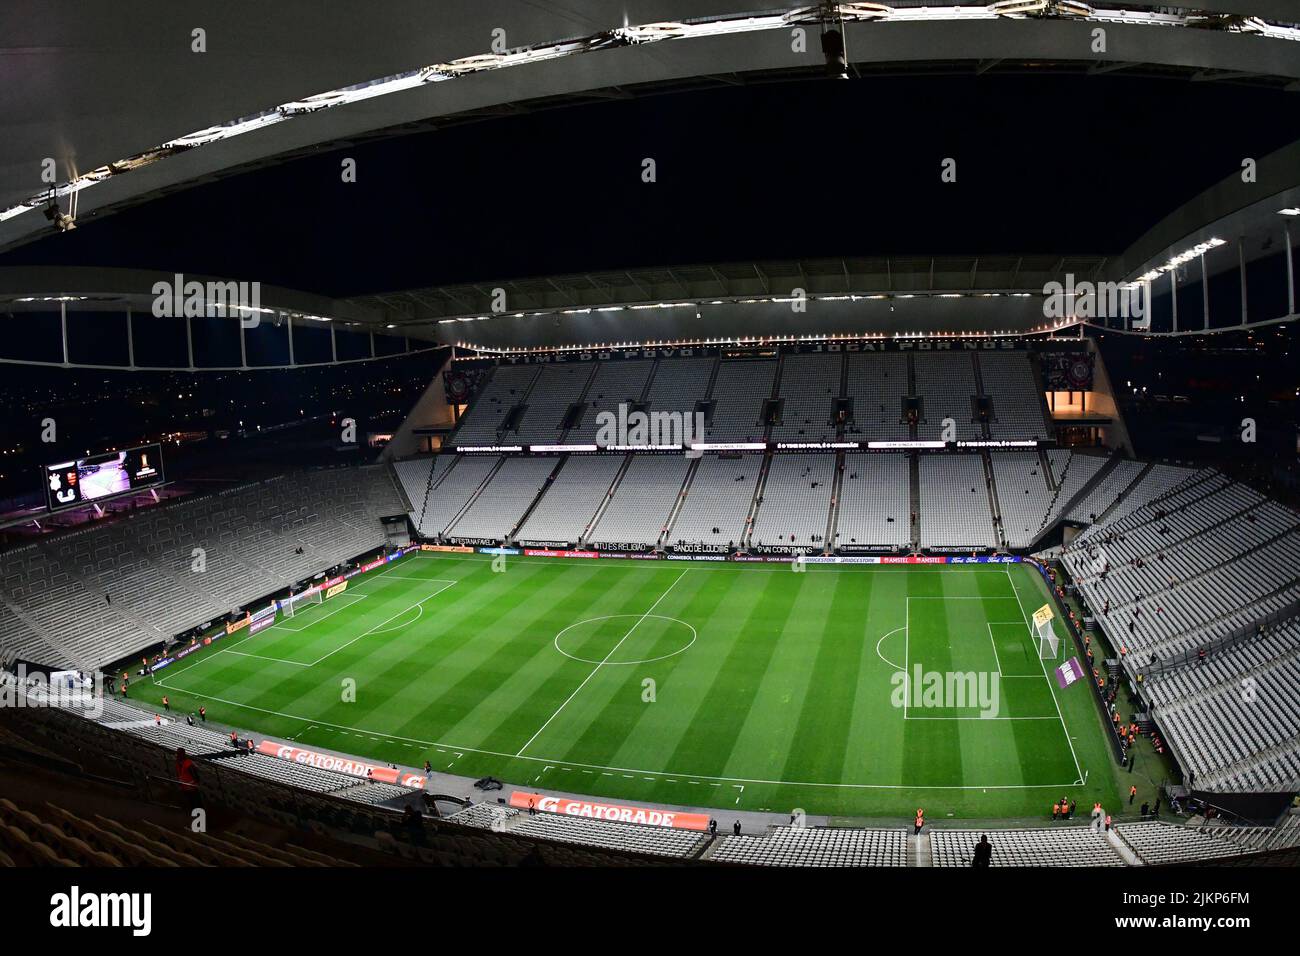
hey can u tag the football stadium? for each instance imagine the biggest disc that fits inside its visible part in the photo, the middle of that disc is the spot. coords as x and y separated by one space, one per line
695 434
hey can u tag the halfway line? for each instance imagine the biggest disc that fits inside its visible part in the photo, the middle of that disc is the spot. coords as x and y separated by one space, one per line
602 663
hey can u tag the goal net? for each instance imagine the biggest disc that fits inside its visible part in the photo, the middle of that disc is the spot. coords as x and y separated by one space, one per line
296 603
1049 645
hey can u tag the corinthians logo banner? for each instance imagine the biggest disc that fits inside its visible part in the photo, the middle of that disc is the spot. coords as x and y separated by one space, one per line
647 816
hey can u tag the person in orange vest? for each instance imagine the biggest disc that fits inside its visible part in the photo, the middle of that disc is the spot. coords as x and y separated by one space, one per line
1132 794
920 821
1056 811
167 704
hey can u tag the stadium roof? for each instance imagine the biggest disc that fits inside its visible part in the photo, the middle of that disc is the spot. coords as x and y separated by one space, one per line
126 109
1232 224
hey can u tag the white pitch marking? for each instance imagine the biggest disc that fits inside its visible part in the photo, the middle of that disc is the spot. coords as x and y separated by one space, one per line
603 662
376 628
882 640
671 777
314 620
1050 689
997 658
262 657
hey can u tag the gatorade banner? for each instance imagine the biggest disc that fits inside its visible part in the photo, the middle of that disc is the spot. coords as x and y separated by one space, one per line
345 765
646 816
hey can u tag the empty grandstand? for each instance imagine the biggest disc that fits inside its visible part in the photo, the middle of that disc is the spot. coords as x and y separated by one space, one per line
501 504
1008 382
810 387
565 512
874 510
877 387
719 498
955 507
638 510
794 505
740 390
96 597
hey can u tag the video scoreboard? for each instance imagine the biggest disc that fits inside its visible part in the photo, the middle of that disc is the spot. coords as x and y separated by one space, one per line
86 480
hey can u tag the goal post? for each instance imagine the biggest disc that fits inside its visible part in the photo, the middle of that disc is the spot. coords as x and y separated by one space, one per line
1049 645
298 602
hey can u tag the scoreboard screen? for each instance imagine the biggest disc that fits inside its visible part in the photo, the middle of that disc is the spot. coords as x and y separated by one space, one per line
86 480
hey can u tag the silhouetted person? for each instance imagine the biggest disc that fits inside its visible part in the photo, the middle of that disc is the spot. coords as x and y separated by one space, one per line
983 852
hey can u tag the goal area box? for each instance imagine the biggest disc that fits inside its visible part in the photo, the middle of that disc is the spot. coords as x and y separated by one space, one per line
300 601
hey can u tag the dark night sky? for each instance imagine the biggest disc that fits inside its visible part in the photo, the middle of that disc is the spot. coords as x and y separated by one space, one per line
1046 164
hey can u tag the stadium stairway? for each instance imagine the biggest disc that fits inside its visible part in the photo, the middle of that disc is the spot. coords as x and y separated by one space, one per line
469 502
1046 466
1124 494
560 462
837 488
1123 849
581 401
756 501
914 498
609 496
995 506
679 503
1073 501
919 851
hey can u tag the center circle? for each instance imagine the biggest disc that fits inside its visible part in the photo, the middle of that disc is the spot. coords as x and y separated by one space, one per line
638 619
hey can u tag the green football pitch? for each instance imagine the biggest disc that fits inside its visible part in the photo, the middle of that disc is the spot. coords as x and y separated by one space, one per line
699 684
